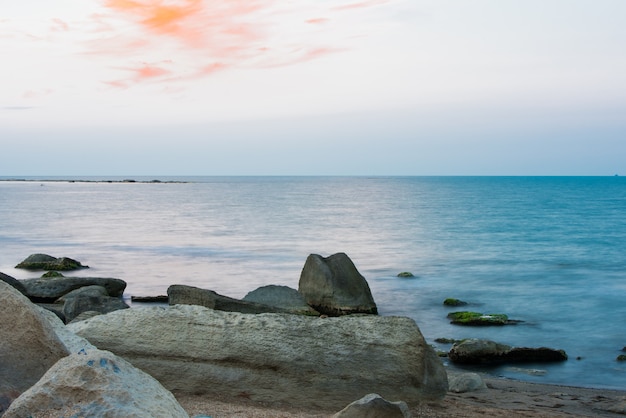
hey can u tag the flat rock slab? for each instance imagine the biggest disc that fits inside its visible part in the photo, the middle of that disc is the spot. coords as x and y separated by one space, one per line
300 360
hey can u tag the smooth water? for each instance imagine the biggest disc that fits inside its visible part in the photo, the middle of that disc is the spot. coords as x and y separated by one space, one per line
546 250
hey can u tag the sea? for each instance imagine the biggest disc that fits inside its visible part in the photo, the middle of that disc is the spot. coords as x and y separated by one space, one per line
547 251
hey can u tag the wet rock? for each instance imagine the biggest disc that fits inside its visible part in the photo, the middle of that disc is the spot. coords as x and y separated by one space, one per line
454 302
478 351
405 274
479 319
47 262
333 286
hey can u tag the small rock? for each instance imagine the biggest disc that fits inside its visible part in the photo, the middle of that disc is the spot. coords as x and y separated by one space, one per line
454 302
621 357
374 406
466 382
406 274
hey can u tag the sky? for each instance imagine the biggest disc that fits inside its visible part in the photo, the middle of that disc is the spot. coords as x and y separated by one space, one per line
312 87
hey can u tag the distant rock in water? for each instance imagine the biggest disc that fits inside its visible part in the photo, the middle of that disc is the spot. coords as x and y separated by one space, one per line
454 302
47 262
333 286
478 351
479 319
405 274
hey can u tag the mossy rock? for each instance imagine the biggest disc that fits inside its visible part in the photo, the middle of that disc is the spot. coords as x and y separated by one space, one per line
52 274
454 302
47 262
621 357
479 319
406 274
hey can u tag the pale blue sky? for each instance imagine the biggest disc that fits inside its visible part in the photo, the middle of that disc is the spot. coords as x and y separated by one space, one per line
406 87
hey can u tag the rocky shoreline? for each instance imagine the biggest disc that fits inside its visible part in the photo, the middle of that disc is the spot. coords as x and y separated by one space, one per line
277 352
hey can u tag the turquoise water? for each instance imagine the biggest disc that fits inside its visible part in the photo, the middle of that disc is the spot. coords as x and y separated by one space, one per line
549 251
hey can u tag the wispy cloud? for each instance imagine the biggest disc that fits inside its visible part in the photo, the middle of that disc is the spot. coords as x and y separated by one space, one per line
203 37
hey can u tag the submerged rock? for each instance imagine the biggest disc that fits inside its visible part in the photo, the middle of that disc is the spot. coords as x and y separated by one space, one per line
333 286
480 319
405 274
47 262
454 302
478 351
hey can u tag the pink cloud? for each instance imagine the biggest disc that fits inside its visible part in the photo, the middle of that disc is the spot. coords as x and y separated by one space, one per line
361 4
59 25
208 36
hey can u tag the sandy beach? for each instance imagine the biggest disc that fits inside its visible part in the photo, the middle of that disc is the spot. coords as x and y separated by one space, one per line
502 398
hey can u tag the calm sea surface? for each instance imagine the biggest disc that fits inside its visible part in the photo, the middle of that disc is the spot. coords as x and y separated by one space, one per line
550 251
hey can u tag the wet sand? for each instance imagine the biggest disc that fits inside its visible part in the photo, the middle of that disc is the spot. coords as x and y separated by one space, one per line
502 398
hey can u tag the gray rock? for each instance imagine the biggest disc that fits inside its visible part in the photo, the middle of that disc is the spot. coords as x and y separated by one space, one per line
28 344
91 290
179 294
307 361
477 351
13 282
466 382
95 383
282 297
50 289
374 406
47 262
90 298
85 315
333 286
72 342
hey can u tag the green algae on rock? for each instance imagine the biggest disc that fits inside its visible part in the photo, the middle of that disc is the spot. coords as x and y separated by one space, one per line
479 319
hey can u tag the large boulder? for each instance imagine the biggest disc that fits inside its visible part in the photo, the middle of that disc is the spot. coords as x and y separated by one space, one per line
28 344
308 361
374 406
282 297
49 289
179 294
47 262
95 383
478 351
90 298
333 286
